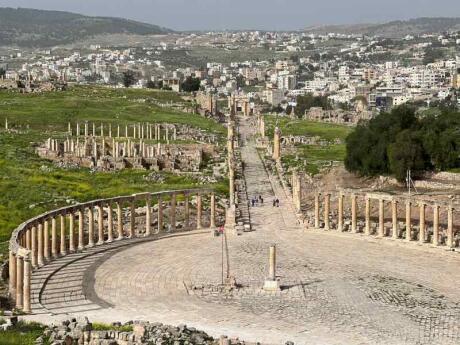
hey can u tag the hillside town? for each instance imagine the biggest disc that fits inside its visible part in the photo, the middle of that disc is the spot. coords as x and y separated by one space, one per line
360 76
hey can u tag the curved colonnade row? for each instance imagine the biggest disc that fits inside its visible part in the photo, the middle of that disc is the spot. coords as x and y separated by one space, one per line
435 230
55 234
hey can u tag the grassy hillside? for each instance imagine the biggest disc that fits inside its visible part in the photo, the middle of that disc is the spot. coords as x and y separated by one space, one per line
31 185
29 27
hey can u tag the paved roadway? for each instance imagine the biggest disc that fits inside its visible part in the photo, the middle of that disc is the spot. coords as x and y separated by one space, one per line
336 288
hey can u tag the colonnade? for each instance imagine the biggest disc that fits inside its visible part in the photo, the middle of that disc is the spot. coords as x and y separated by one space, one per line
150 131
407 227
61 232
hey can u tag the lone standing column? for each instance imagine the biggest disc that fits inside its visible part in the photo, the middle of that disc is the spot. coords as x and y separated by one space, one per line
327 202
172 214
90 226
316 211
272 284
198 212
100 225
27 278
63 249
422 223
81 219
340 215
408 221
213 210
277 144
353 214
40 261
394 218
381 218
435 225
367 229
450 227
54 251
19 282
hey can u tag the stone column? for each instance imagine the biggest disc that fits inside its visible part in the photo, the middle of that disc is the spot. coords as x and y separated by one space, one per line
272 284
119 221
394 218
272 270
19 282
29 239
63 249
187 211
422 223
90 226
54 249
81 220
12 275
327 203
367 228
132 219
172 214
126 131
354 211
317 211
46 241
78 129
34 246
277 144
71 232
340 213
148 217
213 210
94 129
27 278
408 221
40 261
109 222
381 218
450 227
231 173
160 214
118 131
100 224
86 129
198 212
435 225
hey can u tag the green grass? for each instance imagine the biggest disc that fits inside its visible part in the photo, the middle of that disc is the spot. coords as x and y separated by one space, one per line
30 186
326 131
106 327
22 334
315 156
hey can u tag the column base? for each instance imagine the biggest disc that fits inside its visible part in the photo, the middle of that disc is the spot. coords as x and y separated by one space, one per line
272 286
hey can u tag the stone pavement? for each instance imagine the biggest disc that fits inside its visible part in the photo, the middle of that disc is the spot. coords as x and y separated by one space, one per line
336 288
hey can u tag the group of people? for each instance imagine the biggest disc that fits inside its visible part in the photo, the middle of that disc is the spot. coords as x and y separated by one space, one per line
256 200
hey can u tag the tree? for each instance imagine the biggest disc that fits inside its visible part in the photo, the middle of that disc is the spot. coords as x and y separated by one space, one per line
308 101
191 84
2 72
407 153
151 85
129 78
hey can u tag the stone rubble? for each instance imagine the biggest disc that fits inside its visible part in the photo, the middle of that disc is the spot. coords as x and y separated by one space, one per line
82 332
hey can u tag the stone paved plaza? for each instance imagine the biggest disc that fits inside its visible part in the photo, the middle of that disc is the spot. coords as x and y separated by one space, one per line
335 288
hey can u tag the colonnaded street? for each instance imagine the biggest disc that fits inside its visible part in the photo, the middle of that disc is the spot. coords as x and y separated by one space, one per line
335 288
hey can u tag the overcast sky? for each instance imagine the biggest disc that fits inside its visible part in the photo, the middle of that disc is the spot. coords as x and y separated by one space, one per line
250 14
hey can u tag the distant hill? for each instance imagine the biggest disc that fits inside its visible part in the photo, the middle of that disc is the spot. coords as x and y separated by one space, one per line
394 29
39 28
